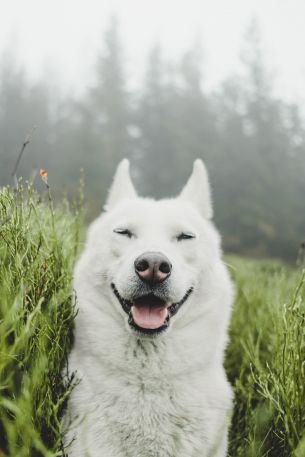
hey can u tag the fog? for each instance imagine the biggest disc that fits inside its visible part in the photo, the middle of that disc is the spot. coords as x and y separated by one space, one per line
162 100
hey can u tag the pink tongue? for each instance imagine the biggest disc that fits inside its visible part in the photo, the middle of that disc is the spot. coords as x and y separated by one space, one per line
148 317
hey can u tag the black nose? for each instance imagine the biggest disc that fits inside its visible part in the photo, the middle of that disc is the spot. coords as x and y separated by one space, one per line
153 267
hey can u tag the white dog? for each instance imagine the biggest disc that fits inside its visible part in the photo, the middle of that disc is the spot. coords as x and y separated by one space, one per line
154 303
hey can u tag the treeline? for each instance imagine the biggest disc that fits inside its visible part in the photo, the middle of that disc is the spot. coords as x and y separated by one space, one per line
251 141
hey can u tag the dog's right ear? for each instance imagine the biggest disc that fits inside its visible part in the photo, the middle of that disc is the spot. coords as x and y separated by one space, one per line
197 189
121 187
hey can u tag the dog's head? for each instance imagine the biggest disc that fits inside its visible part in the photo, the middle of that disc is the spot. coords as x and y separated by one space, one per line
152 257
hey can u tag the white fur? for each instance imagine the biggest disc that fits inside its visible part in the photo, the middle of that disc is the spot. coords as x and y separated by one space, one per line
166 396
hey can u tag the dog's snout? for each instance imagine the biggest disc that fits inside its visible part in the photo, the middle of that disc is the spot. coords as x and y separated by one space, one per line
153 267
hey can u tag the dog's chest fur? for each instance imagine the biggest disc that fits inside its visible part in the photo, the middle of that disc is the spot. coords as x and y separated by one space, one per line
155 400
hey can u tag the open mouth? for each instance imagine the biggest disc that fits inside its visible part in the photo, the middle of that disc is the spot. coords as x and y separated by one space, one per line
149 315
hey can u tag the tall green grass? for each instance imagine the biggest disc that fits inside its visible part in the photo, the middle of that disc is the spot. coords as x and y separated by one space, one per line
38 247
265 358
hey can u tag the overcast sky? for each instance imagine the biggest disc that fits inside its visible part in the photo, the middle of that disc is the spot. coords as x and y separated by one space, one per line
66 34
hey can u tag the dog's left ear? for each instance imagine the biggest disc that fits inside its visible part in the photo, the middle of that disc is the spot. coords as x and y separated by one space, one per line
197 190
121 187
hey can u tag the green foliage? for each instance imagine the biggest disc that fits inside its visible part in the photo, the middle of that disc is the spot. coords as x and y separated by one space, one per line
38 247
265 361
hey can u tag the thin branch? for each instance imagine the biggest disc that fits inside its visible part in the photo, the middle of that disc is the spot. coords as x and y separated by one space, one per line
24 145
14 173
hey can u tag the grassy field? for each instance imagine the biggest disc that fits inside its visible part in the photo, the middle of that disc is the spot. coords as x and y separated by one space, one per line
38 247
265 359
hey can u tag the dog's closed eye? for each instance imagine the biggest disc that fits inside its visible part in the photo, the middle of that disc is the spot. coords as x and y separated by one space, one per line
185 236
123 231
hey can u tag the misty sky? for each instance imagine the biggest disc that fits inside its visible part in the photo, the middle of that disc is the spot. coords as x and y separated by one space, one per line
60 38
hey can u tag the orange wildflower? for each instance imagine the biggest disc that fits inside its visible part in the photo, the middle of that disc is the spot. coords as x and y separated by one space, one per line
43 173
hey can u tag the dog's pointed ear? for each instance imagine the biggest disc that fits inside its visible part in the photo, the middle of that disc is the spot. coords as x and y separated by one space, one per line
121 187
197 190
